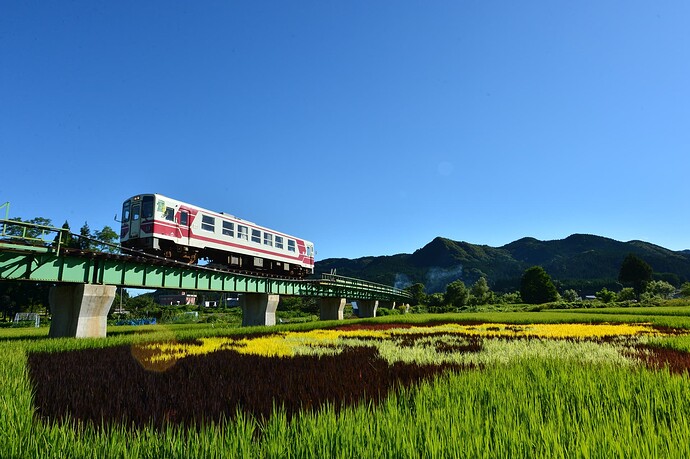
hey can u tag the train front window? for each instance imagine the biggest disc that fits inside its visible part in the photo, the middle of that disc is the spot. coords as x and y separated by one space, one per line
135 212
125 211
147 207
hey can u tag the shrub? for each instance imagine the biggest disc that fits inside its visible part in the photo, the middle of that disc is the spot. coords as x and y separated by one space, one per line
661 289
627 294
606 296
570 296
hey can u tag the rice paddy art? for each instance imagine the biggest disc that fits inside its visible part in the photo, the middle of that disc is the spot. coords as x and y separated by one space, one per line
212 379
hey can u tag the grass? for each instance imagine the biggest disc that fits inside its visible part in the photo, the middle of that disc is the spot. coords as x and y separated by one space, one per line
530 406
681 311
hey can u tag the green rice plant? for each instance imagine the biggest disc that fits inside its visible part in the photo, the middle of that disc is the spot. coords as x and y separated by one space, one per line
16 406
531 398
530 408
681 311
535 408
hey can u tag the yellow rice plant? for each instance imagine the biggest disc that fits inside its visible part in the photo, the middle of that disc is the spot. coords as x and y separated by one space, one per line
288 344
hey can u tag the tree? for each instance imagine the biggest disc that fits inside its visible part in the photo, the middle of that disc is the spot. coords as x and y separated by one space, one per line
606 295
65 237
661 289
636 272
627 294
435 301
10 229
85 237
18 230
299 304
107 238
20 296
456 294
480 292
142 305
685 290
418 293
510 298
570 296
536 286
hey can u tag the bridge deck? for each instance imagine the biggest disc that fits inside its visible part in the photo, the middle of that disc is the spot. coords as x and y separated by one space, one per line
42 263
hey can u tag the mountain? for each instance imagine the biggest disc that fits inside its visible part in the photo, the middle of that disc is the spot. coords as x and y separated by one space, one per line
581 261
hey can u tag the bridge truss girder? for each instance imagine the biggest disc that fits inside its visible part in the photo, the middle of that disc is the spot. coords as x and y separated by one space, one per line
40 264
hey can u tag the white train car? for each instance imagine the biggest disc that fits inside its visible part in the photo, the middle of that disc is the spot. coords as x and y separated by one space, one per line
159 225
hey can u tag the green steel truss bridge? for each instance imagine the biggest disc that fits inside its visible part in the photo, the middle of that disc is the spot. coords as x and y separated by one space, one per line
85 281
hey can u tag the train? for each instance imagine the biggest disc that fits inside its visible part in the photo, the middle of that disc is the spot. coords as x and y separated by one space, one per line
162 226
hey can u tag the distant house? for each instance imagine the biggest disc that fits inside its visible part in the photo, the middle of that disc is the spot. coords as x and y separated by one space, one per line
177 299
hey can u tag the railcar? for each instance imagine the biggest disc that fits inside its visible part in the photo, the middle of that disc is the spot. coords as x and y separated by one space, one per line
173 229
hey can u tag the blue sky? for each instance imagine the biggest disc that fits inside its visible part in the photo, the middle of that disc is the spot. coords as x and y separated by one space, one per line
368 127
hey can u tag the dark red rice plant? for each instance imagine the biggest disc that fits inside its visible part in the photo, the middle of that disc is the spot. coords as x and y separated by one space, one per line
108 386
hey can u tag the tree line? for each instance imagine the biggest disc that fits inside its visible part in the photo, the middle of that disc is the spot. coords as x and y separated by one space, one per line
104 239
537 287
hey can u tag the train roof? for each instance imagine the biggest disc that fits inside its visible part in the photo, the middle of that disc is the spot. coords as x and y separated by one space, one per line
224 214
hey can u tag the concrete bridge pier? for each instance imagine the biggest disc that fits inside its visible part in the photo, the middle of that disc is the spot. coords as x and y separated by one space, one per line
367 308
80 310
331 308
258 309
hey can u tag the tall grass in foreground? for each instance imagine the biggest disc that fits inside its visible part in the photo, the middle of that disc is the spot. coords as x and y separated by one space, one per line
16 409
534 408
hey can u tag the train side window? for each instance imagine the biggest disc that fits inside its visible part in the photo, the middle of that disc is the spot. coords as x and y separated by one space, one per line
268 239
184 218
125 212
279 242
291 245
256 236
208 223
228 229
169 214
242 232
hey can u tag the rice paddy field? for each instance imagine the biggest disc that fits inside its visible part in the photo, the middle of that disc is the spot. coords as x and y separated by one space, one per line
604 383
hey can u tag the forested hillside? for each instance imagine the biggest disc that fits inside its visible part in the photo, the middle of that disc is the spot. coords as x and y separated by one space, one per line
581 261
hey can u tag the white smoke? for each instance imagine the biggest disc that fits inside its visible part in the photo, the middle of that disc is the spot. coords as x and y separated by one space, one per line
437 278
402 281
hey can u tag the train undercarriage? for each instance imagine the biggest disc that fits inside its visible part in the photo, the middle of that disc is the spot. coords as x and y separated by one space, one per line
226 260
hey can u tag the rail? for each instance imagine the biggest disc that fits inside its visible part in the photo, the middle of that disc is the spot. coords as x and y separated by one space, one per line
61 261
38 236
359 284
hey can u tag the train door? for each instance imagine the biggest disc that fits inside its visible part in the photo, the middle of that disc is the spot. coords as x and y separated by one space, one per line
135 219
185 223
